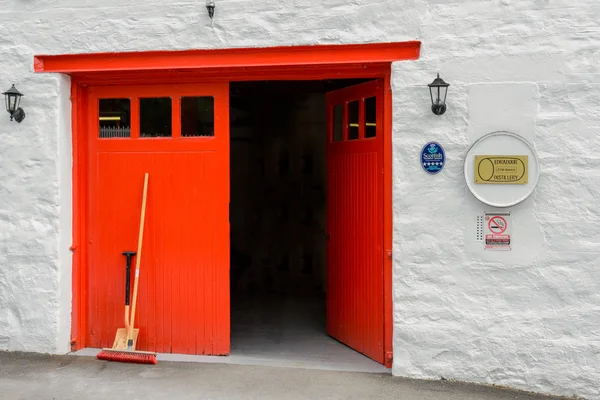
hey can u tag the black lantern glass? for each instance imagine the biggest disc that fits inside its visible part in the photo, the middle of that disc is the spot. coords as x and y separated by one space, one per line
12 98
438 90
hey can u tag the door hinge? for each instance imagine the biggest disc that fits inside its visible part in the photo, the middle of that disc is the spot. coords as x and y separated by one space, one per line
389 358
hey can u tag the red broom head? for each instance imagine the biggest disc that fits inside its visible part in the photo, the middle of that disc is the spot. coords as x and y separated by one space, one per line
127 356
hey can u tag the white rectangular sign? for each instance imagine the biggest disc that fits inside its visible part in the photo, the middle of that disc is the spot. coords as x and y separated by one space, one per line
497 228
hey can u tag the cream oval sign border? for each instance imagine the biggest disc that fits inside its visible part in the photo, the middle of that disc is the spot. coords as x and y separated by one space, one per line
501 169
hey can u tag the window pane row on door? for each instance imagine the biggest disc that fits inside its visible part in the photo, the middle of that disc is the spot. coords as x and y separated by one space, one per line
156 117
350 125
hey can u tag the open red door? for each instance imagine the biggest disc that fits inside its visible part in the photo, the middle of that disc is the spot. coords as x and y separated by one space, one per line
355 291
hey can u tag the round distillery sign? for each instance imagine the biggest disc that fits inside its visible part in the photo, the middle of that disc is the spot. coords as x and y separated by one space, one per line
501 169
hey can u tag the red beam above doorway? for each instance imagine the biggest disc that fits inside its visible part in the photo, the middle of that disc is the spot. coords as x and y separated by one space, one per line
227 58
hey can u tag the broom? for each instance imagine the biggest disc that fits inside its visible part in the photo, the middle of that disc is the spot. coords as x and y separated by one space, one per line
130 354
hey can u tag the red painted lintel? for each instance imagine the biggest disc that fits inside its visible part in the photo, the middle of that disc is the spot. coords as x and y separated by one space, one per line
221 58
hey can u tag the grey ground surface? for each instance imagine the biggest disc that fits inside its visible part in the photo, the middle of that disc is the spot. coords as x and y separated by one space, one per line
28 376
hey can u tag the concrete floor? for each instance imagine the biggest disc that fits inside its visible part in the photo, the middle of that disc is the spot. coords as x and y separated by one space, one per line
281 332
26 376
291 332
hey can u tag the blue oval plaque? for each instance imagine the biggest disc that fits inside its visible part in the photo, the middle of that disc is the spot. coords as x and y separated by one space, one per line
433 158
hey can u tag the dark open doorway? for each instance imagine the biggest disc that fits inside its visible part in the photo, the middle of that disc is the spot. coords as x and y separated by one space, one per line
278 223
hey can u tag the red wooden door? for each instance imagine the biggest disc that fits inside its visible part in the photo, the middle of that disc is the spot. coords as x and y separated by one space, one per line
179 134
355 292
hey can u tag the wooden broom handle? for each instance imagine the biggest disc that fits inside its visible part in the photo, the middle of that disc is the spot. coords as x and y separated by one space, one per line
138 257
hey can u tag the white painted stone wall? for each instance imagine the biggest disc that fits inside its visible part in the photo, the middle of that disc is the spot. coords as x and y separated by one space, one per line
527 319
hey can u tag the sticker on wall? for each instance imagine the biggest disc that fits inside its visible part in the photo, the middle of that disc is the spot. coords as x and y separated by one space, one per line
433 158
497 231
501 169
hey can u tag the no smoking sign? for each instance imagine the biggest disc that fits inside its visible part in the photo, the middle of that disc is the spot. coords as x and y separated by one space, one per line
497 232
497 224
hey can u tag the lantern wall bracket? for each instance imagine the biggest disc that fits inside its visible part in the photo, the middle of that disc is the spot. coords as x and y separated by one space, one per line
13 98
210 6
438 89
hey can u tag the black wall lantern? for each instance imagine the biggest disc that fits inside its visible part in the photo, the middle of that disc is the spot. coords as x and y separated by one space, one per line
13 98
210 6
438 90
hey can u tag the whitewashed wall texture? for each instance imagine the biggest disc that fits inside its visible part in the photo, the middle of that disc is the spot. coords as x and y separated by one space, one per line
526 319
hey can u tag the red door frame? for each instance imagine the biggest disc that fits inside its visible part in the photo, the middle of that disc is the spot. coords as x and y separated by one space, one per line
276 63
